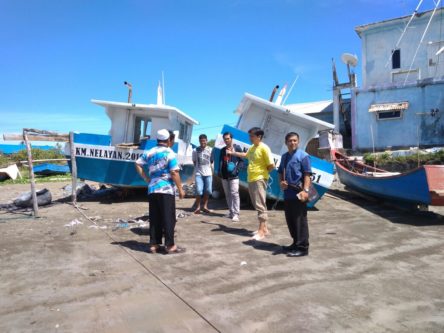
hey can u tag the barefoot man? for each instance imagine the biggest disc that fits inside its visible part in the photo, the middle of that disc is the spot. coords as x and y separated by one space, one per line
260 164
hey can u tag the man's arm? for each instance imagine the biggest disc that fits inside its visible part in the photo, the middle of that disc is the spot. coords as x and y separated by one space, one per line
237 154
240 163
269 160
307 183
175 176
141 172
194 157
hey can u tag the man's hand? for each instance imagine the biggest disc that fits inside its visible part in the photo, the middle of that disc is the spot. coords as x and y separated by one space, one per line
181 193
303 196
284 185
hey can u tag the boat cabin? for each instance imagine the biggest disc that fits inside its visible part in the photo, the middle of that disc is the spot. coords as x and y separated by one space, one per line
276 121
133 125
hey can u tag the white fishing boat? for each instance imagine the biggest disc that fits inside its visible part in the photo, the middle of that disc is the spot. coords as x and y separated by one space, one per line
109 159
277 120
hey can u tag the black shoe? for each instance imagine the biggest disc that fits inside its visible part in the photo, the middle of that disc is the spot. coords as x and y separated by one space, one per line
298 253
286 249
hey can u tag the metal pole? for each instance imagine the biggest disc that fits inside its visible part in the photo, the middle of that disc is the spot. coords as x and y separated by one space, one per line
336 108
73 168
31 175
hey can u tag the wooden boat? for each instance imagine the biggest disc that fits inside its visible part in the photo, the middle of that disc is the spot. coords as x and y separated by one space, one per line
276 120
421 186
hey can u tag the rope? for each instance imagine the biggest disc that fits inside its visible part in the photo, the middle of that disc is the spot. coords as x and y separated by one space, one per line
420 42
404 31
147 269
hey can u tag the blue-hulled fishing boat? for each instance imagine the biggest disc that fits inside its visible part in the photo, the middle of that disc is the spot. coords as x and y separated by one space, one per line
277 121
421 186
109 159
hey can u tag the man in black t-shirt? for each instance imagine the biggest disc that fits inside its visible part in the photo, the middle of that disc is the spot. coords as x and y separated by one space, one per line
229 167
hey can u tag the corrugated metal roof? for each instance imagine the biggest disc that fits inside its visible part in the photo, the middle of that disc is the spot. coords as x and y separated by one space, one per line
388 107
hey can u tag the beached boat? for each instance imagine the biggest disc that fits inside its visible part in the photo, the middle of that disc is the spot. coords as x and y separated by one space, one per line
421 186
276 120
109 159
47 169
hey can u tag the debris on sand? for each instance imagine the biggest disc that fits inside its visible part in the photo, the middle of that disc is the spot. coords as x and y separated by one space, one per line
82 190
180 214
44 198
190 190
73 223
121 224
87 192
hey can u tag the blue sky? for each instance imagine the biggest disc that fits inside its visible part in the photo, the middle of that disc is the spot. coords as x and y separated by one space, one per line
58 55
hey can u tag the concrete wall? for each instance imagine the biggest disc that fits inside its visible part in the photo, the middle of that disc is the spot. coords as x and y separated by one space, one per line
378 41
401 132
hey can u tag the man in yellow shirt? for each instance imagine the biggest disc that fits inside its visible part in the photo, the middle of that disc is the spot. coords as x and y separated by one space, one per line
260 164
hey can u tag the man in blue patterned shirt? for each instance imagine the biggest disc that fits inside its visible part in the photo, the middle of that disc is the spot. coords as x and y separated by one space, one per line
163 174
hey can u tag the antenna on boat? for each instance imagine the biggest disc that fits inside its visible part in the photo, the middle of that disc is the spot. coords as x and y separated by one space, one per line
281 95
273 92
130 91
160 96
163 88
290 90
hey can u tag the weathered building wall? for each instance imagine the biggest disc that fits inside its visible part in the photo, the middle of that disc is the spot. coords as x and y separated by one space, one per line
382 83
402 132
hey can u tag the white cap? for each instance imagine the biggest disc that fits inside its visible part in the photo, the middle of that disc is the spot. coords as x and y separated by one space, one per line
163 135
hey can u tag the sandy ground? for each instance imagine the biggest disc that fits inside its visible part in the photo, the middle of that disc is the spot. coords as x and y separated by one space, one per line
370 269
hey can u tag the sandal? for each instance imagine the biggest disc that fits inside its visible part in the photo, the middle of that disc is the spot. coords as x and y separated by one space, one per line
208 211
178 250
153 249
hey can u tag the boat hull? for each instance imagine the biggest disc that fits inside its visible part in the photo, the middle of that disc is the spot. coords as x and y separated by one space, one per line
421 186
323 171
97 161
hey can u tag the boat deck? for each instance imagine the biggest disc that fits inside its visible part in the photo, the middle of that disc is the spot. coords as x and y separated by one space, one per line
370 269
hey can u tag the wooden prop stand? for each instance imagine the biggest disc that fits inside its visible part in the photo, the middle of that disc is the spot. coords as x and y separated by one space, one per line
31 175
73 168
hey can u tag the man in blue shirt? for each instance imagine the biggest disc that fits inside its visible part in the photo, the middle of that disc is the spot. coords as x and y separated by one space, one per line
294 174
163 174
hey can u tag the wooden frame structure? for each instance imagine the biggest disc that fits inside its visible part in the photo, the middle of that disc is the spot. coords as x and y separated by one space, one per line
31 134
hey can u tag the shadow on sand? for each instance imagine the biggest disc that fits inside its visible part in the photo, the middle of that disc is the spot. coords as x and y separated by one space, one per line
390 212
229 230
134 245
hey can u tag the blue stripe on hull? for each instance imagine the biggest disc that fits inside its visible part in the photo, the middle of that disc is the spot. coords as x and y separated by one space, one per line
411 187
118 173
274 189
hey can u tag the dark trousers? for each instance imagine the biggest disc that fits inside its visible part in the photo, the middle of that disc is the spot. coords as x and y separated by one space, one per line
162 218
296 216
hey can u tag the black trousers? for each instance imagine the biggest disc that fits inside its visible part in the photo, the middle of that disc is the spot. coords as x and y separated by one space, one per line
296 216
162 218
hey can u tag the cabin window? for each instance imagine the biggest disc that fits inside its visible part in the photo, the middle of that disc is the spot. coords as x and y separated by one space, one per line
142 129
393 114
184 131
396 59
